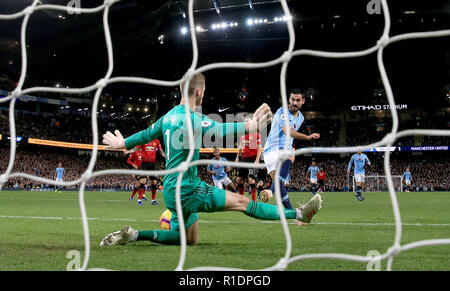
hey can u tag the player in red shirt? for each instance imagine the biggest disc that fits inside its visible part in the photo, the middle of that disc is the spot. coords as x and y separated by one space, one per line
321 177
149 163
250 152
135 161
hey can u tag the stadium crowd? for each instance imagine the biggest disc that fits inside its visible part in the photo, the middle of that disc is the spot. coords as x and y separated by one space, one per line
429 174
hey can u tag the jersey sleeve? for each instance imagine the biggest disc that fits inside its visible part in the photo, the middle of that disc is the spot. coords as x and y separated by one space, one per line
153 132
218 129
280 117
130 160
350 163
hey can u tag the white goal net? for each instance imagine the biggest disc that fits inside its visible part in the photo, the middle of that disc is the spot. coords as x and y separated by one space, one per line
98 85
380 183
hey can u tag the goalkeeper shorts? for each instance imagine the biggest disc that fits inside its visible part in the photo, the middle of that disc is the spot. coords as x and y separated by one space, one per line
205 198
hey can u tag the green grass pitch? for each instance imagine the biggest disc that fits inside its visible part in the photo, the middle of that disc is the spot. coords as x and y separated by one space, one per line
40 228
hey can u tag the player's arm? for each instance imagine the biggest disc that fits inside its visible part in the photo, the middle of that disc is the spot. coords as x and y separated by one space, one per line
130 161
368 161
299 135
116 140
261 118
161 151
258 155
350 165
240 148
210 171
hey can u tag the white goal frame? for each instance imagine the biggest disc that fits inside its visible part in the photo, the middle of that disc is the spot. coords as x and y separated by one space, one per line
378 178
377 48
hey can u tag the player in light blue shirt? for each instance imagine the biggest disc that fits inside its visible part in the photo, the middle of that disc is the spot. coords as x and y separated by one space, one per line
312 172
59 176
408 178
276 140
360 160
219 172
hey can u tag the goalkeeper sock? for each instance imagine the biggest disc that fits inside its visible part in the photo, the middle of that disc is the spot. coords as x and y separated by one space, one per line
166 237
268 211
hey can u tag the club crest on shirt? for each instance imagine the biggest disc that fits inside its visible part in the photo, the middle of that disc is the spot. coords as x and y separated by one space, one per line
283 117
206 123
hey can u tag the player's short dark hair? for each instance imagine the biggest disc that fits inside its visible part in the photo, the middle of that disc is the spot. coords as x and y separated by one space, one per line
297 92
197 81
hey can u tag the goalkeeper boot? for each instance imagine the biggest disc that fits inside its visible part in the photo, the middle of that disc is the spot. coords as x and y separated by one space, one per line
125 235
310 209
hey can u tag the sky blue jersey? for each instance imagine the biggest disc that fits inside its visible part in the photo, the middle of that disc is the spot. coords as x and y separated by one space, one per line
407 176
59 172
313 170
277 139
219 169
360 161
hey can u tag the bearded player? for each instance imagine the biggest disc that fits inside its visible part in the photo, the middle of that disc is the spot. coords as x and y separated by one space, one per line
149 163
195 194
276 141
250 152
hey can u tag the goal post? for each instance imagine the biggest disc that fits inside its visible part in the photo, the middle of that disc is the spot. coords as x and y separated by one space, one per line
378 183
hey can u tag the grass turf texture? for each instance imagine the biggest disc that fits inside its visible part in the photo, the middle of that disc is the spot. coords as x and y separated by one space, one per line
40 228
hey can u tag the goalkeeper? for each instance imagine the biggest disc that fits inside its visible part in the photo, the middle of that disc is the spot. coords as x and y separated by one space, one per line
196 195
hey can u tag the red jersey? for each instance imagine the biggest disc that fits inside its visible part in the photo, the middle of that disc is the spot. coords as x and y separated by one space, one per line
321 176
150 151
251 143
135 158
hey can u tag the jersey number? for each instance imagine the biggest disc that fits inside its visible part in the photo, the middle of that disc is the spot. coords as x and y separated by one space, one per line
167 133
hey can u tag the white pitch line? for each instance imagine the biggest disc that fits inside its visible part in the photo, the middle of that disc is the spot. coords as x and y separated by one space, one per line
224 221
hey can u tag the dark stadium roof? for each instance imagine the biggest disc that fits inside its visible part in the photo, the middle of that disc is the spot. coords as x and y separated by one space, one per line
70 49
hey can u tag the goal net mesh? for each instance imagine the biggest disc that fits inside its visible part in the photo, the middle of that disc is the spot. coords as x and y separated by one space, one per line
380 184
98 86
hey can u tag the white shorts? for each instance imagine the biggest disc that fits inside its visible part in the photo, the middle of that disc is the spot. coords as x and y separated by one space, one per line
408 182
223 182
271 160
59 180
313 180
359 178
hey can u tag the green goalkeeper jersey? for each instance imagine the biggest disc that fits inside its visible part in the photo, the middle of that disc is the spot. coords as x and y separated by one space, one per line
173 128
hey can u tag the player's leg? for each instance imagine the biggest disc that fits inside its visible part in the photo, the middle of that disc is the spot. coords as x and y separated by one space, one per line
271 161
141 189
135 189
264 211
359 184
240 180
252 183
153 185
313 186
167 237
